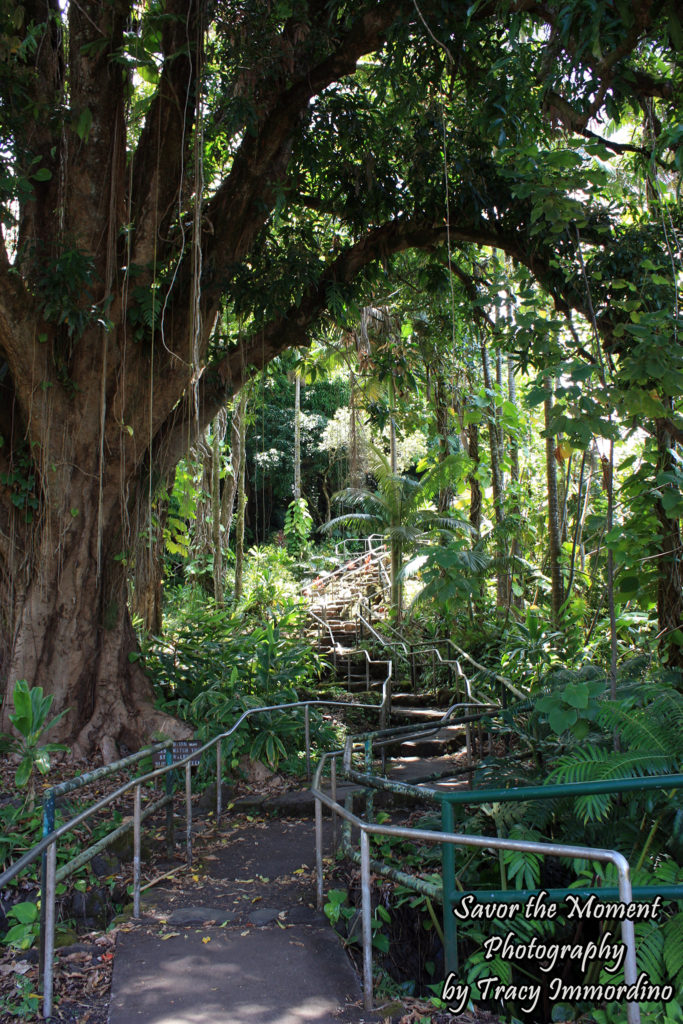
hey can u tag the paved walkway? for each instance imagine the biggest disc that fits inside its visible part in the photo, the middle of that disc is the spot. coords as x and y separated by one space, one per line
237 940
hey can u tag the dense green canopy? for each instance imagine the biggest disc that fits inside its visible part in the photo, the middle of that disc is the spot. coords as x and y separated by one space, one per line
188 187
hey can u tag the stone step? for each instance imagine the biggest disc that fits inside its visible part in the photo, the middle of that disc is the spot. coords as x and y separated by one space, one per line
448 739
415 714
418 700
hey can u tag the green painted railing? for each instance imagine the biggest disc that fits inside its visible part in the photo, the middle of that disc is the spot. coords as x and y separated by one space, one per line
447 892
452 895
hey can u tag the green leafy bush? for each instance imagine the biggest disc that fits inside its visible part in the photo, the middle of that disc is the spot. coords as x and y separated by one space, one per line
29 718
212 670
298 527
23 934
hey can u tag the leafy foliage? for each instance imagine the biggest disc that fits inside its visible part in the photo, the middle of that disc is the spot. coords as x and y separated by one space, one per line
211 671
30 719
298 526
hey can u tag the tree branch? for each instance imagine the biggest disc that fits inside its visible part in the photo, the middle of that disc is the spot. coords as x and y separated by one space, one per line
43 88
164 146
262 160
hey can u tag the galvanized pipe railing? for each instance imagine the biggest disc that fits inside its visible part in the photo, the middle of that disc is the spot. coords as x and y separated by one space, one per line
385 736
503 680
51 795
452 839
368 543
356 563
406 651
348 653
48 844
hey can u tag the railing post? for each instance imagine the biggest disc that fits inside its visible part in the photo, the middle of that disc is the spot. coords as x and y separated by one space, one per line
468 744
188 813
628 937
48 827
219 781
367 674
137 816
170 830
49 899
369 793
366 912
413 675
333 793
319 853
450 930
307 729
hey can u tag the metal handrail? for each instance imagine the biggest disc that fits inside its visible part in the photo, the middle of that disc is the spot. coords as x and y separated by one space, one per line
406 651
367 543
48 844
450 840
337 649
446 894
358 562
386 737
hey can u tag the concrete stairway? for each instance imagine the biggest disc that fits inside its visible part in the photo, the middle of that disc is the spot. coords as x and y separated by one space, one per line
335 600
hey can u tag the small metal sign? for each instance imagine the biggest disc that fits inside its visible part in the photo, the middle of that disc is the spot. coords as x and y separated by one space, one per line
180 750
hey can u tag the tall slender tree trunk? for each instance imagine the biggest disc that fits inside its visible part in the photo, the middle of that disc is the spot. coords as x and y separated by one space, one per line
592 462
393 456
441 410
516 511
216 508
241 509
239 411
297 436
354 460
496 482
473 480
577 523
669 589
499 416
610 583
396 589
557 595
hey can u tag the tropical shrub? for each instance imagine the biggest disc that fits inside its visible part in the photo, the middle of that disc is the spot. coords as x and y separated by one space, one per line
29 718
211 670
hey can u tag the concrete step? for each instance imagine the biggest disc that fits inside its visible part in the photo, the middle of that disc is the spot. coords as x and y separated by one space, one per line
417 700
446 740
415 714
239 943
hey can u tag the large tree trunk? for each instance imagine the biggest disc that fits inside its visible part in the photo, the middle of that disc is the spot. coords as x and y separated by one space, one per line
71 630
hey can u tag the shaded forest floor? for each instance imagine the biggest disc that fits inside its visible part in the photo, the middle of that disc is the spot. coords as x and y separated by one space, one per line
86 955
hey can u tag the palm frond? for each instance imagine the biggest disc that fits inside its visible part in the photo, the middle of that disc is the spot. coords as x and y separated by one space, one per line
412 567
349 518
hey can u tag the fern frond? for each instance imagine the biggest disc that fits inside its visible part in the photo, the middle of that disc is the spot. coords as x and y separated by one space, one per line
672 952
650 951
